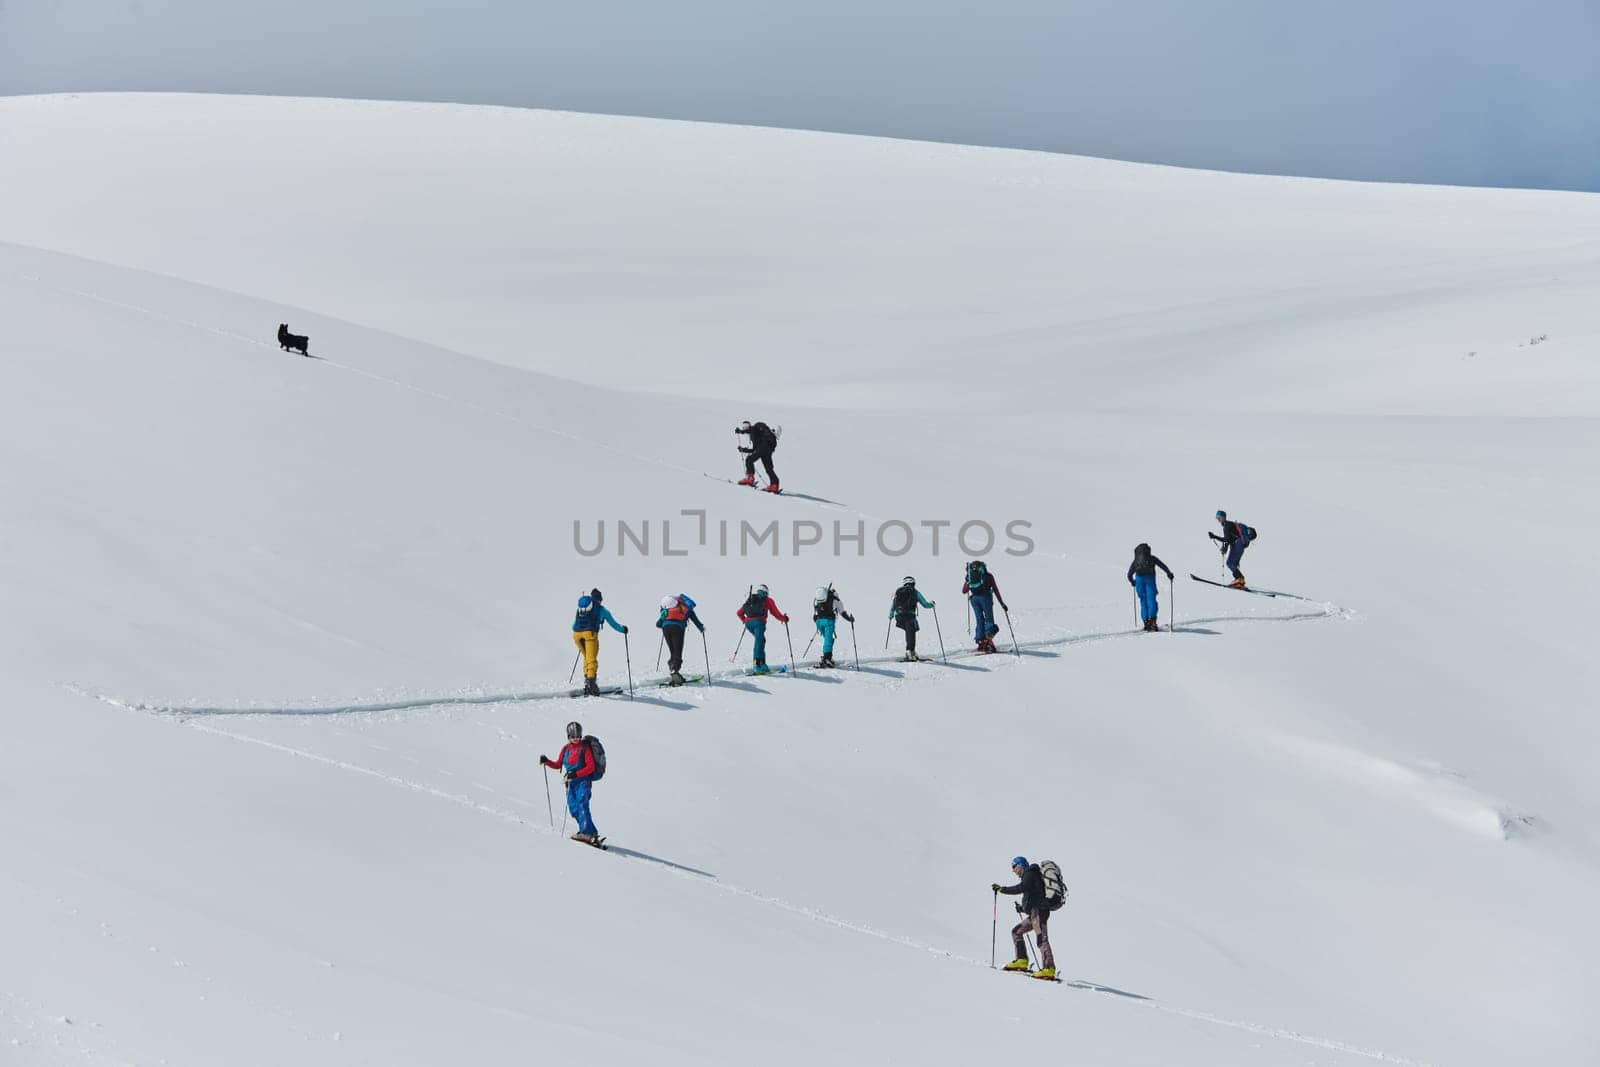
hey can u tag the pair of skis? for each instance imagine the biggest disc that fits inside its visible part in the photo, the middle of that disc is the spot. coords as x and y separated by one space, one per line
1248 589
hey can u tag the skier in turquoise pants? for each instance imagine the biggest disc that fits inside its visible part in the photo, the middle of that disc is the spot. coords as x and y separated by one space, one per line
826 608
753 613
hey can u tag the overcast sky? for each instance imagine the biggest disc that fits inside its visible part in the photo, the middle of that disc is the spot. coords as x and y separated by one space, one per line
1481 92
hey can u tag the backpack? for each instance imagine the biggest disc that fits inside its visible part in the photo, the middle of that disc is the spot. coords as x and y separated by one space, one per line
1055 890
755 606
1247 532
977 576
679 612
598 751
824 609
588 617
905 600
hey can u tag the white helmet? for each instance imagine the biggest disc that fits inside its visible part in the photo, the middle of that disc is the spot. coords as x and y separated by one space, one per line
821 596
761 590
669 601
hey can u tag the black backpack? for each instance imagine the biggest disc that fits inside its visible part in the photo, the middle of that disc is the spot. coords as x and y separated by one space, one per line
755 606
977 576
825 609
905 600
598 751
1247 532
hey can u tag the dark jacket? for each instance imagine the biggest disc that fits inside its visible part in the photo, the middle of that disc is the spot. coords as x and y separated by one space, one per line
1230 532
762 440
1031 887
1146 563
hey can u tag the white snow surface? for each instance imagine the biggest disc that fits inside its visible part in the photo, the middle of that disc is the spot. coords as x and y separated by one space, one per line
284 638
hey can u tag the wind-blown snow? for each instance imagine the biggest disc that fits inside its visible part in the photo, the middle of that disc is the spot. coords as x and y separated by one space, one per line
285 637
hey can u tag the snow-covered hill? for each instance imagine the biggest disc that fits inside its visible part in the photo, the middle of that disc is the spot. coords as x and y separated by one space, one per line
285 637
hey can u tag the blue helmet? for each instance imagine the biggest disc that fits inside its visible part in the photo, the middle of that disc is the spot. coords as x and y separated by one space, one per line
1019 861
1221 514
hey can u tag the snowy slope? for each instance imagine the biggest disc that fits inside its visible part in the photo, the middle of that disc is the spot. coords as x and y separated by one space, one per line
285 637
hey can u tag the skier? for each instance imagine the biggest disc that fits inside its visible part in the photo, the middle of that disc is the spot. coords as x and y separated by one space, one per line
753 613
763 442
1142 576
586 635
676 614
577 766
1236 536
1035 912
826 607
981 587
903 610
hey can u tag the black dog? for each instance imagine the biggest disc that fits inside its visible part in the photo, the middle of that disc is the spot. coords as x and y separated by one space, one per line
292 342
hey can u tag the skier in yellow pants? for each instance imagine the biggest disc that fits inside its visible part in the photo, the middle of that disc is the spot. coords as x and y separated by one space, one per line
586 635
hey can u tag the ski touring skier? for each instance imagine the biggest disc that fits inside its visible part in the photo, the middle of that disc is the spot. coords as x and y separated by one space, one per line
903 610
1142 576
1034 907
983 591
763 442
1236 537
827 607
581 766
677 612
753 613
591 615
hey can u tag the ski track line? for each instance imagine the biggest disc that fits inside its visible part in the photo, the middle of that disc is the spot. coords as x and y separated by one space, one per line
1328 610
813 914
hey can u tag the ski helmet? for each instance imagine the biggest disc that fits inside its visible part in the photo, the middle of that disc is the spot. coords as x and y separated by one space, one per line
596 594
669 601
1019 861
821 595
744 427
1221 514
761 590
1141 549
909 581
574 730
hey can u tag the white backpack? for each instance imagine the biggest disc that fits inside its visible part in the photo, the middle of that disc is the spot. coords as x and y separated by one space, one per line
1055 889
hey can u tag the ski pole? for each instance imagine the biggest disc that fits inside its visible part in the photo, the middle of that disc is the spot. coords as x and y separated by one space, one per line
659 645
792 668
547 805
573 674
994 912
735 657
853 647
1014 646
629 656
886 628
936 630
706 648
1172 607
809 643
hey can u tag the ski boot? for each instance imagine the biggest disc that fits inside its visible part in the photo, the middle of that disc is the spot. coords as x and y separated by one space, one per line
748 479
826 661
1018 964
591 688
1237 583
773 488
760 668
587 839
911 657
675 679
1047 973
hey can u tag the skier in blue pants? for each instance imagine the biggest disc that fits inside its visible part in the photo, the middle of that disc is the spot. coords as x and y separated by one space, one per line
753 613
984 591
1142 576
577 766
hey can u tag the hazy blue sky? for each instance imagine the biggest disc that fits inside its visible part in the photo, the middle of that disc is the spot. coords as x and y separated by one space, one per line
1467 91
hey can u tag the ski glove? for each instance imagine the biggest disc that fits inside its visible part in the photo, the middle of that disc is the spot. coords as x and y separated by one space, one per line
995 888
624 629
847 616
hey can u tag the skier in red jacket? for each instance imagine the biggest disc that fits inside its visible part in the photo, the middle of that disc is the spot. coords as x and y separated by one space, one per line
753 613
577 766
